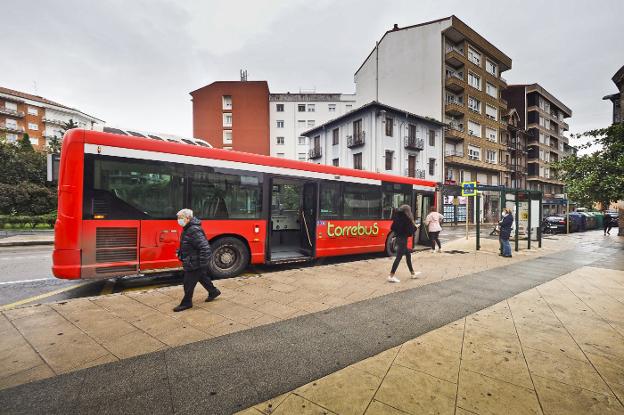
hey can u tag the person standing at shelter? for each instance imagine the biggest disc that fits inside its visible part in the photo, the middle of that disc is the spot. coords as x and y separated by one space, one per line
434 227
505 225
403 227
194 253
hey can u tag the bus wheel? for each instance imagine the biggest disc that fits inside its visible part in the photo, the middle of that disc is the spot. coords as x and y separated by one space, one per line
391 244
230 256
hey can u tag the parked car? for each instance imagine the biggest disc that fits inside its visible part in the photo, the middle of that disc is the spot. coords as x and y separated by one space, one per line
558 224
614 217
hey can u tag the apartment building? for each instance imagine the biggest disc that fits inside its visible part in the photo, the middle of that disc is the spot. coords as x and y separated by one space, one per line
515 158
445 70
40 118
618 98
543 116
293 113
380 138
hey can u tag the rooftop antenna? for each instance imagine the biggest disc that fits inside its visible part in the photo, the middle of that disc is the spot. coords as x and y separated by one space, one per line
243 75
35 86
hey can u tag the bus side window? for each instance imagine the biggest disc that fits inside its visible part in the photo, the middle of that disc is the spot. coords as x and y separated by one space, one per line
331 200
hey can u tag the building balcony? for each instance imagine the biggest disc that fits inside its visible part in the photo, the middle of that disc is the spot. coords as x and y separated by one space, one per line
454 153
564 125
11 113
315 153
12 129
455 81
455 108
53 121
414 143
416 173
517 168
356 140
456 132
455 56
458 158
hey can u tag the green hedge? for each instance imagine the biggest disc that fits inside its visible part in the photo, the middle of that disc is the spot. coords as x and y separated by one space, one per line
19 221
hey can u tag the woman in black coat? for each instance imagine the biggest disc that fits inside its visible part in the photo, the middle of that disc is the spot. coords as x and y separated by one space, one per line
403 227
505 232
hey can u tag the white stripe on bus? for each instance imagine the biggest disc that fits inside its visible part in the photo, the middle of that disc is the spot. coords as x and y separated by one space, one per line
200 161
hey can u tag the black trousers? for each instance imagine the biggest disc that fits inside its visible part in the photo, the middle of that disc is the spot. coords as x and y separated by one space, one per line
191 278
401 251
434 238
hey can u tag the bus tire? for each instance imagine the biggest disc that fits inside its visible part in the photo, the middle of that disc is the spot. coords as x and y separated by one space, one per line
391 244
230 257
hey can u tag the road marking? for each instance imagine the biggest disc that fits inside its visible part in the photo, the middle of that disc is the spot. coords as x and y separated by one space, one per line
18 282
42 296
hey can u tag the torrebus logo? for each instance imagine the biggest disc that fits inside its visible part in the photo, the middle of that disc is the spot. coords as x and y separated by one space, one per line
353 230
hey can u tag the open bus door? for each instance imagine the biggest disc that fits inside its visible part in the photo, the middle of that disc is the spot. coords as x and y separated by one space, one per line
422 202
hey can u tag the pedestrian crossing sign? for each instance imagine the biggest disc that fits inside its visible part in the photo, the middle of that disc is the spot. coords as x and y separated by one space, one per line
469 188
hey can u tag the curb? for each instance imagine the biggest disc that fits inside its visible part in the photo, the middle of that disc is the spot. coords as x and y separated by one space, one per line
25 243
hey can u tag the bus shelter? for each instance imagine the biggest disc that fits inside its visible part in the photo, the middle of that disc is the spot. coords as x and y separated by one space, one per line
526 206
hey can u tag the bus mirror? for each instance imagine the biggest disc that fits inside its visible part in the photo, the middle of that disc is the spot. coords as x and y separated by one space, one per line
53 163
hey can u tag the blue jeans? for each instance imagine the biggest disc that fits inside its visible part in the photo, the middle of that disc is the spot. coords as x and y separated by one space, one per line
505 246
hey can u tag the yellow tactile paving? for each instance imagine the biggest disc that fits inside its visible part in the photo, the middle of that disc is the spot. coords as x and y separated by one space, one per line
550 350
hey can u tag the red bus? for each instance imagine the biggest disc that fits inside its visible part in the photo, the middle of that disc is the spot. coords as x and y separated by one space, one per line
118 196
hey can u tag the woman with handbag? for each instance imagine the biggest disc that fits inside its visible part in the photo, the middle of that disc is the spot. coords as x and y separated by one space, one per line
403 227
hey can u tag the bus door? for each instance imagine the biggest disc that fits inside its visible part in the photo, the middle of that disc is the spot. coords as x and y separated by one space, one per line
292 220
422 202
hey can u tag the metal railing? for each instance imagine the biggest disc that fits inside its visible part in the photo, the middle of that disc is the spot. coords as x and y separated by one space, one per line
12 129
416 173
9 111
414 143
456 153
451 99
454 74
454 48
53 121
315 153
356 140
456 126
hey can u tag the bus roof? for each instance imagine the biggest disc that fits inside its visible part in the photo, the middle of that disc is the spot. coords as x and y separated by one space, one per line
131 142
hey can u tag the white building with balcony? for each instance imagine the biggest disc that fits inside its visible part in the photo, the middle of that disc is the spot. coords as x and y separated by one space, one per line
382 139
292 114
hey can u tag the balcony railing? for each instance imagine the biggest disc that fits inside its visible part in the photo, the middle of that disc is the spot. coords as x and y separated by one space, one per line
315 153
12 129
414 143
451 99
416 173
12 113
53 121
356 140
456 126
455 49
454 74
456 153
519 168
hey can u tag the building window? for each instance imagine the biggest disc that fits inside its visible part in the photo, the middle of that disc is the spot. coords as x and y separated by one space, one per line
335 136
490 156
280 155
33 111
10 123
335 162
474 104
227 136
357 161
491 67
411 131
280 123
301 140
432 167
389 126
389 157
311 108
474 153
301 123
331 107
227 102
10 106
311 123
491 134
279 107
227 120
432 138
33 126
11 138
280 141
491 90
474 56
491 112
34 141
301 157
474 81
301 107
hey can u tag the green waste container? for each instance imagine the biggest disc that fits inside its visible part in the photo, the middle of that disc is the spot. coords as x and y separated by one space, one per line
599 219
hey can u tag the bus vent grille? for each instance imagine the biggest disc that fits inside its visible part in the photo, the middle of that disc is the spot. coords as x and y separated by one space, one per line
115 237
116 255
120 270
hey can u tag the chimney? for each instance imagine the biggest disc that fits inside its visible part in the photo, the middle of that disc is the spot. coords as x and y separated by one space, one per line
396 27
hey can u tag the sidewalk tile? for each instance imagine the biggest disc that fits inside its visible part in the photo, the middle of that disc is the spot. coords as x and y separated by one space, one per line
378 365
506 366
487 396
416 392
380 408
294 404
269 406
32 374
430 358
132 344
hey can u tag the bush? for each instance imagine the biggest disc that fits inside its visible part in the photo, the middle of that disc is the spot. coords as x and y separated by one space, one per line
19 221
26 199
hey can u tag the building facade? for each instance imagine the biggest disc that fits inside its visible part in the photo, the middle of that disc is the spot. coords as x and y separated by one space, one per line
618 98
292 114
543 116
515 158
382 139
233 115
40 118
445 70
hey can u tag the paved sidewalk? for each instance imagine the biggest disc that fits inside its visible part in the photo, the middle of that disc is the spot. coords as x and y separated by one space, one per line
285 328
35 238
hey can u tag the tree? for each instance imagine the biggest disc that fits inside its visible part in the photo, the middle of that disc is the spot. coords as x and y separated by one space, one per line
24 144
599 176
55 143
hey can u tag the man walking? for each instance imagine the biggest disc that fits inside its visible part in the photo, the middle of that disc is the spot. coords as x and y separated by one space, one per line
194 253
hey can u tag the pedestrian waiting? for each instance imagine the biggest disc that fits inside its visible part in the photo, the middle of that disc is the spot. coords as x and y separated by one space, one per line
433 221
194 253
505 225
403 227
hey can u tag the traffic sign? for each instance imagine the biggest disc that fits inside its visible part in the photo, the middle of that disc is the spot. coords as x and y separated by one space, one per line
469 188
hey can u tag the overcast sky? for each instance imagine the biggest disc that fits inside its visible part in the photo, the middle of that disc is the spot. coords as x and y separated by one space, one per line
133 63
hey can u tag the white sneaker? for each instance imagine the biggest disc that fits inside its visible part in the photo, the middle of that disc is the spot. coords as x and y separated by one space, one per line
415 275
393 279
439 250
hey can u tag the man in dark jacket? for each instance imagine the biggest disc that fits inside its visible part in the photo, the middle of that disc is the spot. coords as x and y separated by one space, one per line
194 253
505 232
